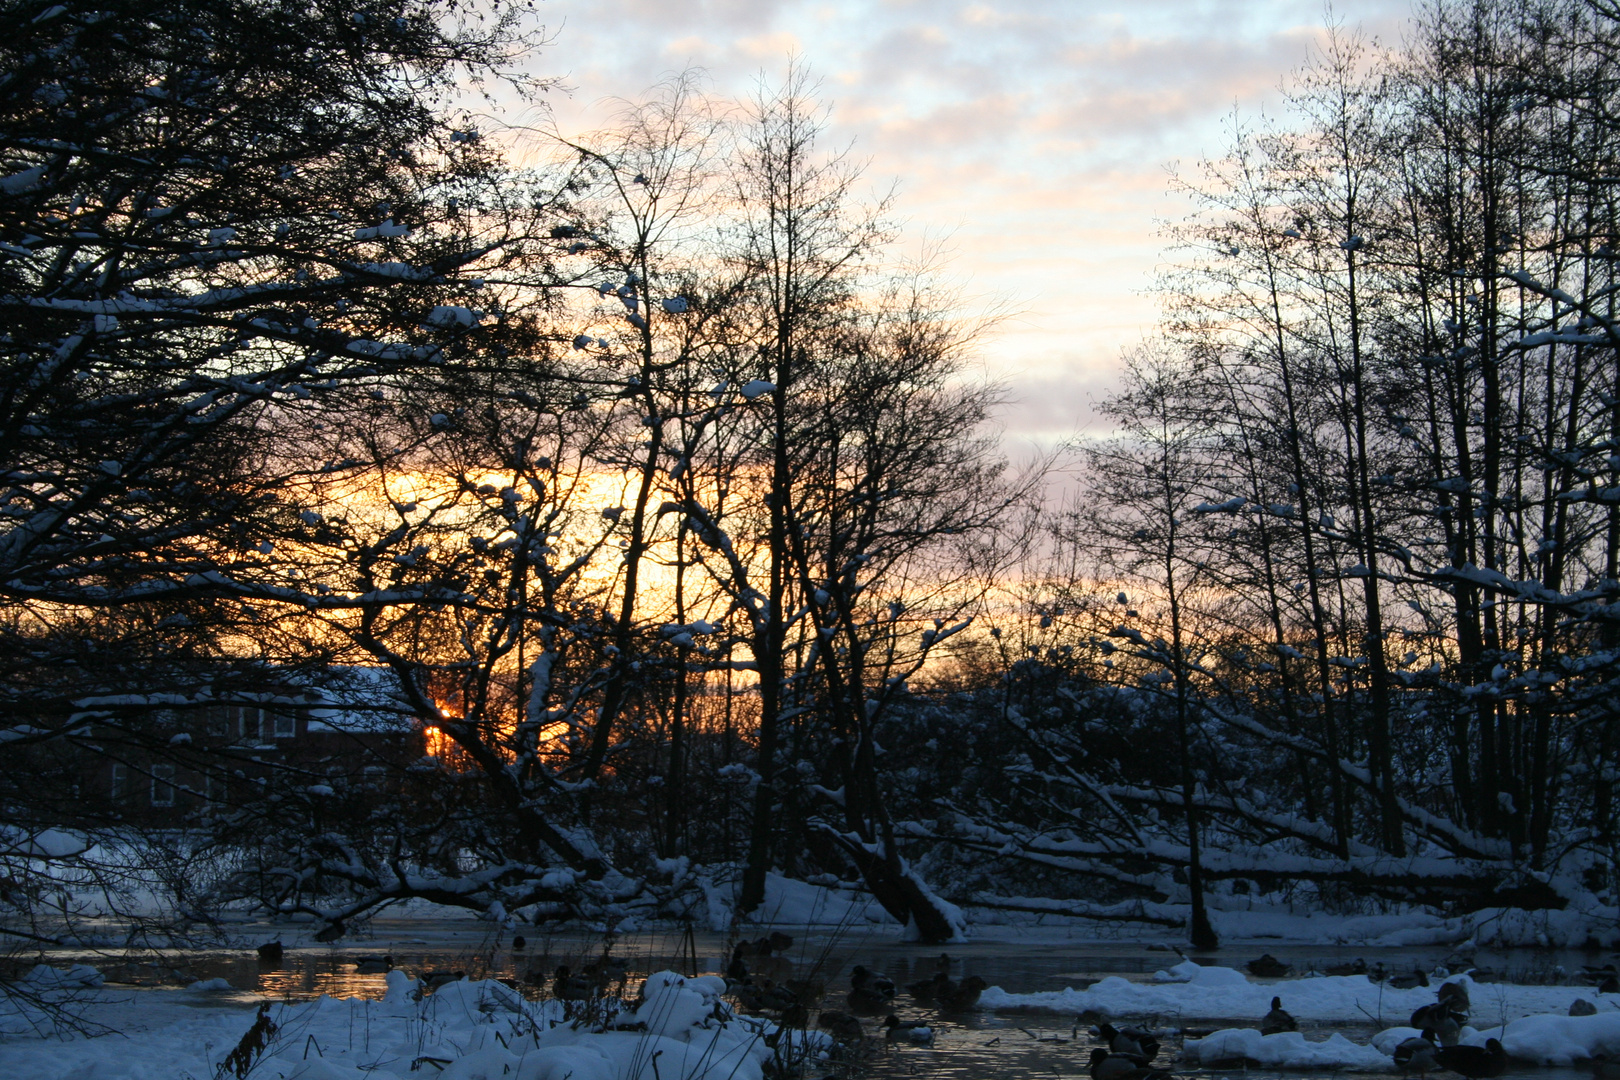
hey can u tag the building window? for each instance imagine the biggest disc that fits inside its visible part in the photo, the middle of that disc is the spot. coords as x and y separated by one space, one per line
217 719
119 787
246 719
163 785
285 726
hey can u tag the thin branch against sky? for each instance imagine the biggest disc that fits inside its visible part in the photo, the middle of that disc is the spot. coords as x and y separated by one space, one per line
1035 136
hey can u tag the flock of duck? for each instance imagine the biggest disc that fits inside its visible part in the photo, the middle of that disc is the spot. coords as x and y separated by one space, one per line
1129 1057
760 978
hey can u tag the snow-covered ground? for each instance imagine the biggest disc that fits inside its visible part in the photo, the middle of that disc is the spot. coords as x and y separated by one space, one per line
1531 1021
473 1030
1188 991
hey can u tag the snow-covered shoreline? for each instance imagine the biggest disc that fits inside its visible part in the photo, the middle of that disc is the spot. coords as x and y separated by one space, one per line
1532 1022
471 1029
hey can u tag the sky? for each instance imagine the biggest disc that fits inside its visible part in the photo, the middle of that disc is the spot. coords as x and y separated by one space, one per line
1033 139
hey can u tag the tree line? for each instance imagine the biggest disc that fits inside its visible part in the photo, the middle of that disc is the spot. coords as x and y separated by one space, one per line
640 481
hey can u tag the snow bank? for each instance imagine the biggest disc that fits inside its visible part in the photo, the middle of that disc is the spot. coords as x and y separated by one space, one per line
789 902
1190 990
472 1030
1574 927
1555 1040
1284 1050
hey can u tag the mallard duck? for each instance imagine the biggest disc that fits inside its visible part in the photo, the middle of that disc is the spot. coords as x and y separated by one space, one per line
270 952
1130 1042
1277 1020
436 979
566 986
606 971
1268 967
897 1030
841 1026
1417 1054
519 942
1106 1066
777 998
1454 994
1604 1069
373 965
864 979
1474 1061
865 1001
1359 967
965 995
737 969
1417 978
747 995
1582 1007
1439 1016
934 988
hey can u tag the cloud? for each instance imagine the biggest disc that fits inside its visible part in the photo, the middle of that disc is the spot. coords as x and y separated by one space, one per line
1036 133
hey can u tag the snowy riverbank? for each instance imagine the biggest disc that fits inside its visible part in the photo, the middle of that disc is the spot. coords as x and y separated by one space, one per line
1532 1022
472 1030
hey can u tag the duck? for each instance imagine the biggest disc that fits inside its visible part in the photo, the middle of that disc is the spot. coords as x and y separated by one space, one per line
270 952
1268 967
1446 1024
897 1030
1417 978
1610 985
737 969
331 932
866 1001
1475 1062
966 996
373 965
1277 1020
810 991
1106 1066
1454 994
841 1026
1358 967
1131 1043
777 998
863 979
936 987
1605 1069
566 986
436 979
1417 1054
519 943
1582 1007
606 971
